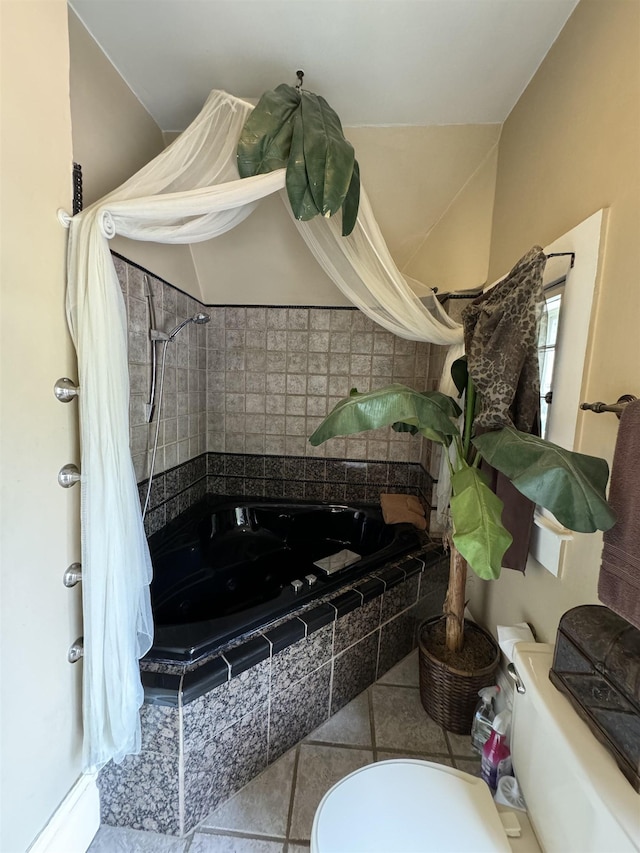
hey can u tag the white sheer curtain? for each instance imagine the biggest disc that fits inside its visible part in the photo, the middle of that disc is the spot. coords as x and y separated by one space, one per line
189 193
362 267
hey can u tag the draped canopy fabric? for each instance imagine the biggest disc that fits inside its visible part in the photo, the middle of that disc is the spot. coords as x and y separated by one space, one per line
191 192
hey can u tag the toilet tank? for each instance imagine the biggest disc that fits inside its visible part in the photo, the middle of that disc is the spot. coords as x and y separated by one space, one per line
577 798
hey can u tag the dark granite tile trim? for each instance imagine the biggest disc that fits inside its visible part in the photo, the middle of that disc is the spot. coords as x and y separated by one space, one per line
285 635
318 617
347 602
161 688
391 576
243 657
370 589
207 677
433 551
412 566
175 484
215 464
234 464
316 479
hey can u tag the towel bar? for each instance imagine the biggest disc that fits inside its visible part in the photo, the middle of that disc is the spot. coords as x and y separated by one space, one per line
618 407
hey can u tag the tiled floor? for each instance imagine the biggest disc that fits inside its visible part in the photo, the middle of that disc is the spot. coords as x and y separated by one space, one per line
274 812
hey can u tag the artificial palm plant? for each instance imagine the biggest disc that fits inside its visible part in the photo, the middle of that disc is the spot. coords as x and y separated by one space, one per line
571 485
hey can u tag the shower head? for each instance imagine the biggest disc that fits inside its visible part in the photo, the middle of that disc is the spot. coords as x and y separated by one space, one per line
199 318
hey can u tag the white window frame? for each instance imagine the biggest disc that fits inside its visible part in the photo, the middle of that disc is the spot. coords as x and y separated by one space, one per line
580 290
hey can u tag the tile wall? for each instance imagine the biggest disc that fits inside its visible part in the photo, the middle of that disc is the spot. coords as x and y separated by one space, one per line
259 380
287 477
183 417
274 373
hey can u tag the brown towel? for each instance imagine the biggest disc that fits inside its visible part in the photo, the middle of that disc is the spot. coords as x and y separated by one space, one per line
398 509
619 582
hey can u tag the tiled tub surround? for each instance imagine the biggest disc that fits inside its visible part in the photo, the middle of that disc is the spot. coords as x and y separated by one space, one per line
258 380
289 477
183 421
207 733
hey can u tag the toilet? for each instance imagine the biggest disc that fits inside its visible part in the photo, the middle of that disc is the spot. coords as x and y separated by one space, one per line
577 798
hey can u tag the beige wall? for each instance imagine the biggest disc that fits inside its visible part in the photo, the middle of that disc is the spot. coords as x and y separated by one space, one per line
419 180
454 254
114 137
40 521
431 189
416 177
572 146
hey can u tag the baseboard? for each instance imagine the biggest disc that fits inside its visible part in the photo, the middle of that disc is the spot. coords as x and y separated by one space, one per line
74 823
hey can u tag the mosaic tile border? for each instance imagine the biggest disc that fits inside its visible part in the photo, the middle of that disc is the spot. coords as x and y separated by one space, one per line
294 477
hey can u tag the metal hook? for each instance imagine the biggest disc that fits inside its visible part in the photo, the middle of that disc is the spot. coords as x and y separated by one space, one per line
300 76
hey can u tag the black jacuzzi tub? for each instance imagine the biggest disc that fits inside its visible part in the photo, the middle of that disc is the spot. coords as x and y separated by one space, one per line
222 569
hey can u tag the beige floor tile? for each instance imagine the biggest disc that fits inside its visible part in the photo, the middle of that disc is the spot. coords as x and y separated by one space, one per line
468 766
351 725
298 848
114 839
262 806
406 672
319 768
461 746
401 722
203 843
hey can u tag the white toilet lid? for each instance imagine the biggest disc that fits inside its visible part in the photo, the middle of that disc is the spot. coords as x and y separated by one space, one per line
408 806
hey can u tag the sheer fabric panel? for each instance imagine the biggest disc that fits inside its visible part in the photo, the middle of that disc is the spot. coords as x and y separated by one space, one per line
191 192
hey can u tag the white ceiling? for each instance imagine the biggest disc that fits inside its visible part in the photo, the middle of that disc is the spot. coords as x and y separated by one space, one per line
377 62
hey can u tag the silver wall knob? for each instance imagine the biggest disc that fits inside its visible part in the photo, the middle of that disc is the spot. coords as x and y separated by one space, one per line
65 390
76 651
68 475
73 575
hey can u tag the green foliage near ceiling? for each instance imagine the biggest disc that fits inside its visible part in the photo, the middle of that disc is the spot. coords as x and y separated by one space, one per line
298 130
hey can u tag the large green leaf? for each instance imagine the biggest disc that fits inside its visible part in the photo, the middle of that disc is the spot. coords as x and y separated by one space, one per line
328 155
322 175
460 374
478 532
570 485
431 412
265 141
351 202
297 180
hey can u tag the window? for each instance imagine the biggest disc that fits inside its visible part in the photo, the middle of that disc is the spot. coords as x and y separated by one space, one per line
547 346
563 352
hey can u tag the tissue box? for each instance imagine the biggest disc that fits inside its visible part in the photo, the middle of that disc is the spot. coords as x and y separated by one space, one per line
596 665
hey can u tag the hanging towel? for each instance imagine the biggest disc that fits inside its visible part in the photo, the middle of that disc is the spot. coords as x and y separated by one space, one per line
397 509
619 582
501 341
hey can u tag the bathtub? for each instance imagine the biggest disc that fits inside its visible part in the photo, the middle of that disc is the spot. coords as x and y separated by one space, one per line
225 568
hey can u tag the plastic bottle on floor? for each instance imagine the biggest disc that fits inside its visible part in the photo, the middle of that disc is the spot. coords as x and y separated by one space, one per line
496 756
483 718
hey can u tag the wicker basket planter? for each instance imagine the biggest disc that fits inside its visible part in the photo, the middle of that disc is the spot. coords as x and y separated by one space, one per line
449 695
